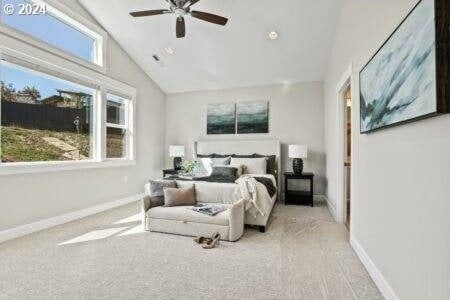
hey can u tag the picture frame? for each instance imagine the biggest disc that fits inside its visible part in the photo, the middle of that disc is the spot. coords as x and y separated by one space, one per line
404 81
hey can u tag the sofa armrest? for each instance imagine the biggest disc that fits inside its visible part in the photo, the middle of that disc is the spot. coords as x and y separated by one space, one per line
236 220
148 202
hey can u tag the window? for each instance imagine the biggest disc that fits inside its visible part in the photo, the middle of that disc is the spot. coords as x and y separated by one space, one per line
56 29
58 109
116 126
44 118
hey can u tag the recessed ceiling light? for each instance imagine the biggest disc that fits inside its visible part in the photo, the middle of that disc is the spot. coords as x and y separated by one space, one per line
273 35
169 50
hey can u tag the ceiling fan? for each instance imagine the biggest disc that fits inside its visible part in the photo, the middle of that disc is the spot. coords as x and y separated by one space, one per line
182 8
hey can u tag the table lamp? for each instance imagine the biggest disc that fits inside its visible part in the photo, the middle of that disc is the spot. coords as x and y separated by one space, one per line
177 152
298 152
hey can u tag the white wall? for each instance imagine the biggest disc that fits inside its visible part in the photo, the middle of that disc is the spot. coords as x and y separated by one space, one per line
32 197
401 190
295 117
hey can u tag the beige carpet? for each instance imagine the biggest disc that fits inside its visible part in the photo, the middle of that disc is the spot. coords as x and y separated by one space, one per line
303 255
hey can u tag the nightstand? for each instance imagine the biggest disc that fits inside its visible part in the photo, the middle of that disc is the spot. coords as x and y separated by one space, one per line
299 196
169 172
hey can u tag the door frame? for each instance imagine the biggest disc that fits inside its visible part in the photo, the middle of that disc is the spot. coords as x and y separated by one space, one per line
344 82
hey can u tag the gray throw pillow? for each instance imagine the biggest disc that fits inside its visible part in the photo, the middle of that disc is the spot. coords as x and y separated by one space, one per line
224 171
221 161
179 197
157 187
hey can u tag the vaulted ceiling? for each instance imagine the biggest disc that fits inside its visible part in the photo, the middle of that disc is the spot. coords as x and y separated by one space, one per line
239 54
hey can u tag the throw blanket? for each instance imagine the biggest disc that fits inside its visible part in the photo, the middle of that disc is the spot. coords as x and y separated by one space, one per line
256 197
268 183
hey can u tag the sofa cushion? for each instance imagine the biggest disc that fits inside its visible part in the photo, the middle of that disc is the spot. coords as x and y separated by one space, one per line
186 214
179 197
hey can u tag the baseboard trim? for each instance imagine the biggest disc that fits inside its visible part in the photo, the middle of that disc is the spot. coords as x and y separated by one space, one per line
332 209
20 231
381 282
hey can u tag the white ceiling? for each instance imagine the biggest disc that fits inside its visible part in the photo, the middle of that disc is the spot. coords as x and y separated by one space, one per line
237 55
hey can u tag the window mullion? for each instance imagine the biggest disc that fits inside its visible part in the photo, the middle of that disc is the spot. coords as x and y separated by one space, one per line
102 120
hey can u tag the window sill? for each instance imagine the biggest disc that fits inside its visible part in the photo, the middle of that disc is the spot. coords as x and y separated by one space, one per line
43 167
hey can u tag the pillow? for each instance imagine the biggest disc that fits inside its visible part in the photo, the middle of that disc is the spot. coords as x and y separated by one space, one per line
199 169
208 163
179 197
251 165
157 191
157 187
224 171
221 161
271 163
239 168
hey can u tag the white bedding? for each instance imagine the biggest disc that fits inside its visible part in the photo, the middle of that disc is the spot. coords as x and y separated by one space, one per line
214 192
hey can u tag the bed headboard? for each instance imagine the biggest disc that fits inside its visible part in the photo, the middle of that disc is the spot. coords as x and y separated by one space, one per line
242 147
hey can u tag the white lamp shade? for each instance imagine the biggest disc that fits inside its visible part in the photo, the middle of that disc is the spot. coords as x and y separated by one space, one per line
176 151
298 151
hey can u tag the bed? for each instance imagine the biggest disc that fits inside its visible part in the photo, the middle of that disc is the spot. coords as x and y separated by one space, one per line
230 192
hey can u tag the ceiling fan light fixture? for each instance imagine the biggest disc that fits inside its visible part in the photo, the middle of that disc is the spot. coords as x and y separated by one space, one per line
182 9
273 35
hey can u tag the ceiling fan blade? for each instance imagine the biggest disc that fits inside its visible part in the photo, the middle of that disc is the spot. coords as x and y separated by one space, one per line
189 3
209 17
146 13
181 27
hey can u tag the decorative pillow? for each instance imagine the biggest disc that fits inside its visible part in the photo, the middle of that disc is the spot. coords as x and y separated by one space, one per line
224 171
271 163
208 163
251 165
199 169
179 197
157 187
239 168
157 191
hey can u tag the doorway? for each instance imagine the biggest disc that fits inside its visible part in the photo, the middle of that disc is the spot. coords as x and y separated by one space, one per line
347 103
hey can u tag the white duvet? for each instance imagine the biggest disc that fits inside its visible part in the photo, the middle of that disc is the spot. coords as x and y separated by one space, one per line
257 204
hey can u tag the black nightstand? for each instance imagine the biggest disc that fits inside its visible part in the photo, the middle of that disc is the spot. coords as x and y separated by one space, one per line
169 172
298 196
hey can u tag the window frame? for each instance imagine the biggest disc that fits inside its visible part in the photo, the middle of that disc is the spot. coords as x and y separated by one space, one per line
129 132
60 11
14 50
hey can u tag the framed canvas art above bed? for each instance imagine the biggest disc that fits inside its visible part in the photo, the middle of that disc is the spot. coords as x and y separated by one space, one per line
252 117
221 118
407 79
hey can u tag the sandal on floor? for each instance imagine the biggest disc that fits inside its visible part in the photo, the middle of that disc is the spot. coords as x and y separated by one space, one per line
215 238
202 240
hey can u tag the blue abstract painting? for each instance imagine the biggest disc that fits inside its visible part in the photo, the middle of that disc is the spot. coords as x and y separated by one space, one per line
399 83
252 117
221 118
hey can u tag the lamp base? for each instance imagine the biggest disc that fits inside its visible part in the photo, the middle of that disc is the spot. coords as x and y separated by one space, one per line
177 161
297 166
